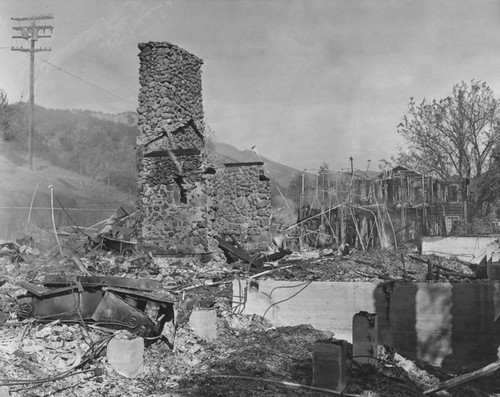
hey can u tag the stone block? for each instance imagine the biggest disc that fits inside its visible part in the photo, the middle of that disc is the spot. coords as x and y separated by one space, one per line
204 323
126 356
365 338
493 271
330 365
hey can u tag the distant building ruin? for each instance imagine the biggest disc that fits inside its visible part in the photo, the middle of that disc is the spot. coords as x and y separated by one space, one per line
186 197
396 206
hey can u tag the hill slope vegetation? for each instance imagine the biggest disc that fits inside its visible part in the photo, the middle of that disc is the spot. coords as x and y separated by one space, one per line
95 149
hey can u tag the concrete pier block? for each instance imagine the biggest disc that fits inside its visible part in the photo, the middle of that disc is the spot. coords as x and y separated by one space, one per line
126 356
365 338
493 271
204 323
330 365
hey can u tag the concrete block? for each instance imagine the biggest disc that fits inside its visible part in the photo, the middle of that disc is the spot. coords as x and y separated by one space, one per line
126 356
4 391
365 338
330 365
204 323
495 257
491 249
493 271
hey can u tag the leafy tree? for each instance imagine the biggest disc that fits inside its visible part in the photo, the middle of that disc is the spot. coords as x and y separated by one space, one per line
486 189
452 136
5 115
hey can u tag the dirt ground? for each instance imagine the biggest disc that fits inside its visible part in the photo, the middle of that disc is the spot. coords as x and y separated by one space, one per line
249 357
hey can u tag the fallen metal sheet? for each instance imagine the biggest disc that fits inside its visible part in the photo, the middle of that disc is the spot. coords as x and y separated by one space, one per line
8 249
122 247
155 307
144 295
143 284
65 304
92 299
114 312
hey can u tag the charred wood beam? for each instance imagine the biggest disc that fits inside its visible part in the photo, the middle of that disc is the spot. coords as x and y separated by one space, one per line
98 281
33 288
255 260
249 164
462 379
239 253
444 270
175 152
273 257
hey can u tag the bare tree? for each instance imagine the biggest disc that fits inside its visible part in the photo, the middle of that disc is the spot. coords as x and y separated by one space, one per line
454 135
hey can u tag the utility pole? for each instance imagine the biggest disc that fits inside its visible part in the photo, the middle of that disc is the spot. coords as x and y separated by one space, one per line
302 212
30 31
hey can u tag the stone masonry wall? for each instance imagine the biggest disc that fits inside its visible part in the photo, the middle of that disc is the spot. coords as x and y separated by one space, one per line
243 204
170 92
174 209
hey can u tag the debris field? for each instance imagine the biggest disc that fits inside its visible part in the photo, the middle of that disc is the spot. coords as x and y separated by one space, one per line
61 355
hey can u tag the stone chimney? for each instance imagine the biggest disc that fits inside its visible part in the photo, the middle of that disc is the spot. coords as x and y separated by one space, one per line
172 204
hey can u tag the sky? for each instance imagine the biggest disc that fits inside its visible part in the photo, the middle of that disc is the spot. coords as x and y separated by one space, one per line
305 82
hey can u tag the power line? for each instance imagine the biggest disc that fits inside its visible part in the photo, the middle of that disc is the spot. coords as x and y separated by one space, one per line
88 82
98 77
86 72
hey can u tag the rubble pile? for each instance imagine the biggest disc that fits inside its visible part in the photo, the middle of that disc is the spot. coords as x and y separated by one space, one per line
66 354
246 352
375 265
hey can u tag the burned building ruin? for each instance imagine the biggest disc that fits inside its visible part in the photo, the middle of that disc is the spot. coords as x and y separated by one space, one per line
393 207
186 197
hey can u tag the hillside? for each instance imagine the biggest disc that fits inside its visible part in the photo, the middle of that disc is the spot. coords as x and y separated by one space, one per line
127 118
98 148
71 189
89 158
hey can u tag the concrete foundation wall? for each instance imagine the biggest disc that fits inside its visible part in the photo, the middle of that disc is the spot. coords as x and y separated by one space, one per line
449 325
